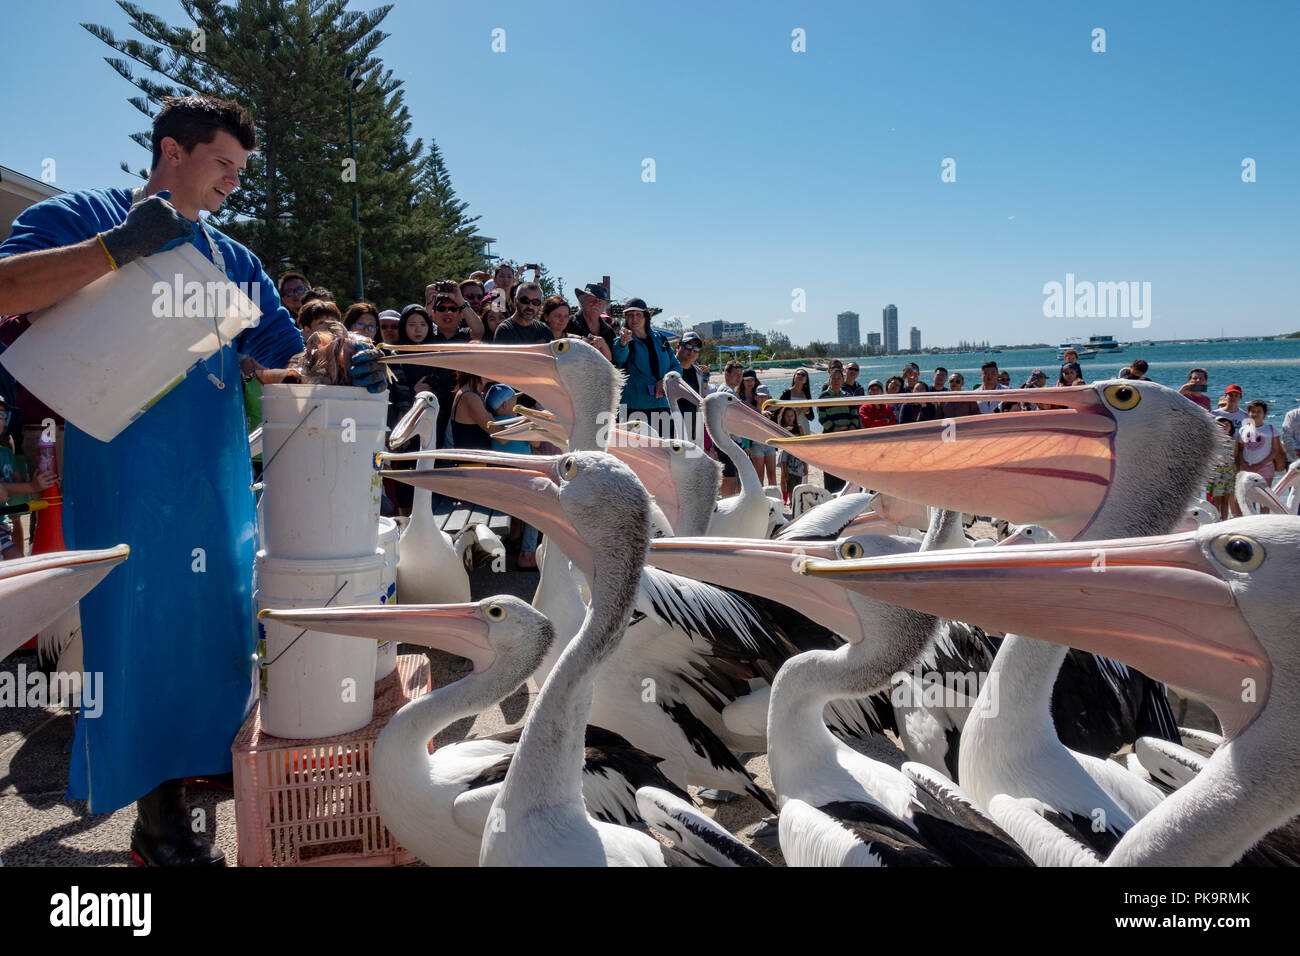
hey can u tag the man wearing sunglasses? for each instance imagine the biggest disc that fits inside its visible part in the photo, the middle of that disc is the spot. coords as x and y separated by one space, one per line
454 319
697 377
522 328
390 326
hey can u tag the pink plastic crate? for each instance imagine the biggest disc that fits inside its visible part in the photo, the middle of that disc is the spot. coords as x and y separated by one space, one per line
308 802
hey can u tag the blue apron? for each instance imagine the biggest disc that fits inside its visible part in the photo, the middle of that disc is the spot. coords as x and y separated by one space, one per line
171 629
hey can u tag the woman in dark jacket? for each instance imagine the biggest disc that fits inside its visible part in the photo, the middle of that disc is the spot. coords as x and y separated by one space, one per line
407 381
919 411
646 356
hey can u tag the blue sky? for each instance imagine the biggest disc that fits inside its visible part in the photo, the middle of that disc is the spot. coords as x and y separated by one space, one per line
820 170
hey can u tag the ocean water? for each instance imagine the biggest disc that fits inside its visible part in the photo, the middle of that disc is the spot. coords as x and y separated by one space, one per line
1264 370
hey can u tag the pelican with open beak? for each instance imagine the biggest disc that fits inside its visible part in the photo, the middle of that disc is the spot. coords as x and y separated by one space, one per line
571 379
1052 467
1210 611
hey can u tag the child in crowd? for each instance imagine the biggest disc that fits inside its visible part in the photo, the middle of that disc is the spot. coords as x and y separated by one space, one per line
793 470
1224 477
1259 446
13 484
500 402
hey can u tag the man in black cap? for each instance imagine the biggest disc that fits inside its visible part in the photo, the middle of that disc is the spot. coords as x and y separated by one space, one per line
697 377
593 299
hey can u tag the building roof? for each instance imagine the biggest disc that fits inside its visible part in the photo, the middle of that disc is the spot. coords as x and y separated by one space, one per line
17 192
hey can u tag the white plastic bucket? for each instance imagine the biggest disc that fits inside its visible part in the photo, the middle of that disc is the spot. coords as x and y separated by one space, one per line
386 652
310 682
322 486
103 355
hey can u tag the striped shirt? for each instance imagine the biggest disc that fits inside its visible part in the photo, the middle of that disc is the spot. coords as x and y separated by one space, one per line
837 418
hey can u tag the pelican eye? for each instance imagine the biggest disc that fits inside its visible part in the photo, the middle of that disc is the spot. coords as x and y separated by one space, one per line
1238 552
1123 397
676 447
850 550
495 612
568 467
560 346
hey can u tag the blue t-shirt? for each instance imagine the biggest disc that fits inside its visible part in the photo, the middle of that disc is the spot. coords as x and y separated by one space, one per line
171 629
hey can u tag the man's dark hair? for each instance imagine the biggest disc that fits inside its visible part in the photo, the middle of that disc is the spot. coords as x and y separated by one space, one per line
191 120
1195 370
941 369
1258 403
317 292
733 365
279 286
992 365
469 282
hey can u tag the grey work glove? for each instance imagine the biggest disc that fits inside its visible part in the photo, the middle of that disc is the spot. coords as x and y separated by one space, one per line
152 225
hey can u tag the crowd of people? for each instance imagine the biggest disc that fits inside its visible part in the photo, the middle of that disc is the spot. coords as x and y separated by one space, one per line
510 309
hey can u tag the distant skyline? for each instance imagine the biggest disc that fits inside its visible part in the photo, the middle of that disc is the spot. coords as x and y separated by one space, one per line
953 159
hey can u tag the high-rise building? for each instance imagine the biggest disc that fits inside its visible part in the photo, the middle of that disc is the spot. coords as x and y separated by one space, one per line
916 339
720 331
849 329
873 343
890 316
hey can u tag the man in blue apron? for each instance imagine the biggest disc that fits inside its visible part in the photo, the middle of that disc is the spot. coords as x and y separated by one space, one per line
172 630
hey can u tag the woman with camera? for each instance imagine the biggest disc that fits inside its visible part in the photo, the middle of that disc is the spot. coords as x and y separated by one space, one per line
646 356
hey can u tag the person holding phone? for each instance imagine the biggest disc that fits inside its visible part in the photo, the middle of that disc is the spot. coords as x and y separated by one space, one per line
646 356
1194 390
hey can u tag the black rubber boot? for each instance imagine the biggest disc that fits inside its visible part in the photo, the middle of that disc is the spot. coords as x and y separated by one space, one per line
162 835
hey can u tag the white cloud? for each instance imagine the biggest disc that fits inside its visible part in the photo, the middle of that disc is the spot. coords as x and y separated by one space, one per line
785 321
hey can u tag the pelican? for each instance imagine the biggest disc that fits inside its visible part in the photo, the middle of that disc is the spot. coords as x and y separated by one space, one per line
436 805
691 650
682 480
429 570
918 808
1211 611
1288 487
37 590
747 514
1082 470
538 817
1254 496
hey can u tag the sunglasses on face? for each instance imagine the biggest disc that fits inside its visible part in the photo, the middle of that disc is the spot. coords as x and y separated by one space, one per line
691 348
447 309
524 300
388 326
474 296
294 293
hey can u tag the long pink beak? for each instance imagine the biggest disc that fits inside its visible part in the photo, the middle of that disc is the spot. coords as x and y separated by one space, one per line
455 628
526 486
767 568
1050 467
648 457
744 420
529 368
1156 603
35 590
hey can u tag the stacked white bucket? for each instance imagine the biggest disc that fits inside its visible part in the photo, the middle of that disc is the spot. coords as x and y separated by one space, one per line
321 547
